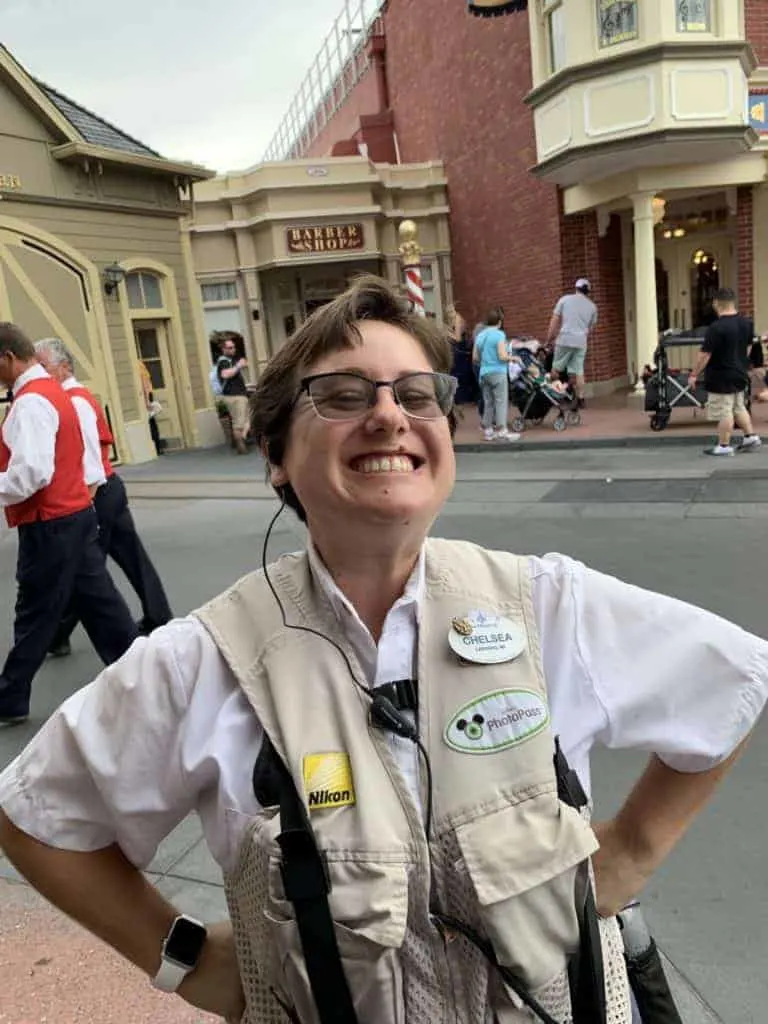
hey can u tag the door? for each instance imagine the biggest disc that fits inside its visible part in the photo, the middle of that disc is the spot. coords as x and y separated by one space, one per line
151 338
49 295
693 268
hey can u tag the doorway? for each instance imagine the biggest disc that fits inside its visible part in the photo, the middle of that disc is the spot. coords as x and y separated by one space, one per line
151 337
688 273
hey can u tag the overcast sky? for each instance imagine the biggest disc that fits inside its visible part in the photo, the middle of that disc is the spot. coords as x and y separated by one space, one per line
201 80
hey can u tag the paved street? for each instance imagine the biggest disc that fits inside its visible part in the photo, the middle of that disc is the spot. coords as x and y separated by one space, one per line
669 519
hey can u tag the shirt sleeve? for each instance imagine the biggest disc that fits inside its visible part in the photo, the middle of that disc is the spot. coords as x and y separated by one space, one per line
120 761
93 467
559 306
29 430
633 669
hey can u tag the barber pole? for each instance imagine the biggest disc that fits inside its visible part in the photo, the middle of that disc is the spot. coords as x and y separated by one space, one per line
415 290
410 254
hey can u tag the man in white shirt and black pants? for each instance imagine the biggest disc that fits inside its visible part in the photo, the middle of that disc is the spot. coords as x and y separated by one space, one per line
118 537
44 491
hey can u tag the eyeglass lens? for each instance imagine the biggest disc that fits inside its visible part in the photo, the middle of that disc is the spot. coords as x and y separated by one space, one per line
339 396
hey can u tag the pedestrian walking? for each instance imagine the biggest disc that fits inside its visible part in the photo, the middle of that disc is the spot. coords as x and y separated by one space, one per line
43 489
234 391
724 361
492 357
153 407
118 537
367 729
573 320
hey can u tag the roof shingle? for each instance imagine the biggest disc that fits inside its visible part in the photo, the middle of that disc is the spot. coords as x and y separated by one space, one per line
94 129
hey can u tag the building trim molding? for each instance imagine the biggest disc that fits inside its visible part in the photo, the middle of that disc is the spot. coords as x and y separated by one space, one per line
640 58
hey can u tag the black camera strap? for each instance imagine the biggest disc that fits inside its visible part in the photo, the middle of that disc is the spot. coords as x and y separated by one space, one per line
586 972
307 884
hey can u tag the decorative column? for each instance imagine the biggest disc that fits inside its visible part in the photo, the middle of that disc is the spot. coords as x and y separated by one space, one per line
647 211
410 255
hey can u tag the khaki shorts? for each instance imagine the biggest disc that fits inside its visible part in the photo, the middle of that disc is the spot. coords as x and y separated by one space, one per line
569 360
720 407
237 406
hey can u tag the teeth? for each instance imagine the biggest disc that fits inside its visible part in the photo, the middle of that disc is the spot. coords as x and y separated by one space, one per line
386 464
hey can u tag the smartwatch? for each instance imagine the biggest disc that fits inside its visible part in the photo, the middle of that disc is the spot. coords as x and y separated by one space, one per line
180 954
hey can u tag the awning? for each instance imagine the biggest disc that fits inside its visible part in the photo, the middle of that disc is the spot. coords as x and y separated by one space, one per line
493 8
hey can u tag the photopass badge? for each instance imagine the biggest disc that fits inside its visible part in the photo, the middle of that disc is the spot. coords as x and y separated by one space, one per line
486 638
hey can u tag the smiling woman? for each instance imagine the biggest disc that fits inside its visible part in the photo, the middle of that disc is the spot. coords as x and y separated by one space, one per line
367 727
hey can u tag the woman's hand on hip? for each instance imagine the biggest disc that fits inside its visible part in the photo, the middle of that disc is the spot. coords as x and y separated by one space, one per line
215 984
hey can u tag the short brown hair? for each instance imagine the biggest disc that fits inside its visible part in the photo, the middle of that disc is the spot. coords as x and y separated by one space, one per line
332 328
15 341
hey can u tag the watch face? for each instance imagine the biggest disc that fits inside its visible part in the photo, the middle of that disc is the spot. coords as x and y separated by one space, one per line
185 942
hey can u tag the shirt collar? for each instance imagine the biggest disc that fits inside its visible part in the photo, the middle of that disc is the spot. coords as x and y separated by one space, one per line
35 372
70 382
343 608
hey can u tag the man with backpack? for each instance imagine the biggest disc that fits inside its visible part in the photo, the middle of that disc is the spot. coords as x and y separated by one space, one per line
228 382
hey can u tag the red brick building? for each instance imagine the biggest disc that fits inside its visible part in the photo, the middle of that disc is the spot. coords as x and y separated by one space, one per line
562 133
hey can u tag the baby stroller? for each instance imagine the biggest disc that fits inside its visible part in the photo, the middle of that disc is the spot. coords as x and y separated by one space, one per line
533 394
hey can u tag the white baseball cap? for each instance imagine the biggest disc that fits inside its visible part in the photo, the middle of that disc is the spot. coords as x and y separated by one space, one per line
583 283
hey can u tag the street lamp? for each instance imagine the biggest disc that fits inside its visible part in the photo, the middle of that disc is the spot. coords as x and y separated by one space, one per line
113 276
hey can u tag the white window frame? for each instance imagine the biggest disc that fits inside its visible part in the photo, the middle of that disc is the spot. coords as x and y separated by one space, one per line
553 22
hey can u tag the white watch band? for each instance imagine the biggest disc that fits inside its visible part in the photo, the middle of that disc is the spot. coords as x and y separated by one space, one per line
170 976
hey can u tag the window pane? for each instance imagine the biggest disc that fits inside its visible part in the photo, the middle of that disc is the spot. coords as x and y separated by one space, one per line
617 21
133 287
148 343
426 273
694 15
557 39
153 296
155 368
223 291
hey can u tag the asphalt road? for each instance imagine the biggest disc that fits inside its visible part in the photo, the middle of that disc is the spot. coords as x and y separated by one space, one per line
672 521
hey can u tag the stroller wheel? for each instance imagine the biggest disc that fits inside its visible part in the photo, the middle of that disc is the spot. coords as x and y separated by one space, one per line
518 424
560 423
573 418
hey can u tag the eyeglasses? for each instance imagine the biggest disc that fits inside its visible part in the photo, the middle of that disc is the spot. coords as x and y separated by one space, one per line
347 396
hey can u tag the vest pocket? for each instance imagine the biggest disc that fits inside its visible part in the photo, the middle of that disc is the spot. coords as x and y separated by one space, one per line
522 862
369 903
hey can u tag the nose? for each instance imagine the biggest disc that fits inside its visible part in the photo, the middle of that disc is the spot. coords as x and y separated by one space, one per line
386 414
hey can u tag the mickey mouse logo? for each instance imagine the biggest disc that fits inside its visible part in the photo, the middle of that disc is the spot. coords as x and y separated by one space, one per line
473 729
496 721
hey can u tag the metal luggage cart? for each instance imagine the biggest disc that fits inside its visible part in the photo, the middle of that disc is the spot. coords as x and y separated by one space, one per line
667 389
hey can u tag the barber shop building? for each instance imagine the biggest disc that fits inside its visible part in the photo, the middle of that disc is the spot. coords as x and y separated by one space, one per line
621 140
92 251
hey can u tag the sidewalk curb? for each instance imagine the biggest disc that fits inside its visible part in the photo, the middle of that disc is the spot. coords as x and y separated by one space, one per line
655 441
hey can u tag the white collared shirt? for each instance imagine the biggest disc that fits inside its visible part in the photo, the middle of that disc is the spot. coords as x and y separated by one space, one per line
29 430
93 466
624 667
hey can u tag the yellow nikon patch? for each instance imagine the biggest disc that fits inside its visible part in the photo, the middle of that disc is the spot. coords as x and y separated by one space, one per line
328 781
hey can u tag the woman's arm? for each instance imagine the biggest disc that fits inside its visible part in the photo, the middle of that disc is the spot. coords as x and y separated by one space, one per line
656 815
106 894
502 352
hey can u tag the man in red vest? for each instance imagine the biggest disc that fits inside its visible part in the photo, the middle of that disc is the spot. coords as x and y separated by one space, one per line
43 490
117 531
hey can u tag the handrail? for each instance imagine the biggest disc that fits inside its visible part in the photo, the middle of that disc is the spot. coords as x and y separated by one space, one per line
339 65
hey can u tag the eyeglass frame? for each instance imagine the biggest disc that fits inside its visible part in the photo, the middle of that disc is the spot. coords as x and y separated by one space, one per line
305 382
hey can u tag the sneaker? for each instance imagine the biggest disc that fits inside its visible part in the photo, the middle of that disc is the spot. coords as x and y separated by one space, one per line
488 435
506 435
720 449
750 442
6 719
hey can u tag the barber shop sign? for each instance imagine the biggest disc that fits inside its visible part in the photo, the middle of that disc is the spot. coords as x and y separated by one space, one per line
492 8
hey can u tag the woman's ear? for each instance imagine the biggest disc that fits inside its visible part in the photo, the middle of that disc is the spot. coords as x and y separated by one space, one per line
277 475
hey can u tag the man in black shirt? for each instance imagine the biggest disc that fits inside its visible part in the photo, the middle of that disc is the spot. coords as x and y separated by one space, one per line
724 358
234 392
